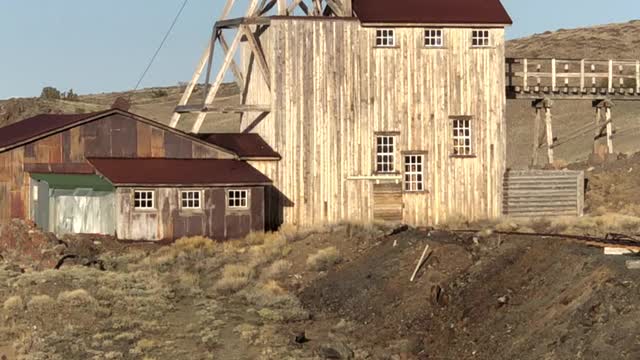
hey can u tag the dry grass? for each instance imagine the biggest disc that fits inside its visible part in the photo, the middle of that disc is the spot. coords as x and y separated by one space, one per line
76 298
234 278
13 305
277 270
324 259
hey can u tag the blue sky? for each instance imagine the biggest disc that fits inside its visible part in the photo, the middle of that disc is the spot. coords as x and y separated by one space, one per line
102 46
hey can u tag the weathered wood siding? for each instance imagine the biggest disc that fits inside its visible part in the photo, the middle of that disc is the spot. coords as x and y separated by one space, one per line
169 221
538 193
113 136
332 90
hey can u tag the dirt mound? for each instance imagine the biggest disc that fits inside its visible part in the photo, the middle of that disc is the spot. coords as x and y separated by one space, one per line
494 298
23 245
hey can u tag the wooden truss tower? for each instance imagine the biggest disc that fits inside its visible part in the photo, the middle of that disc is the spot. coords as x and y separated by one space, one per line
244 29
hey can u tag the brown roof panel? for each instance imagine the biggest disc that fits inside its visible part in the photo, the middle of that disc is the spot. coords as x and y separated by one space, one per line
39 125
178 172
246 145
432 11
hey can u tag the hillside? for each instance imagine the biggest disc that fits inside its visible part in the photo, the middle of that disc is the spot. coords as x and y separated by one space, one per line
618 41
615 41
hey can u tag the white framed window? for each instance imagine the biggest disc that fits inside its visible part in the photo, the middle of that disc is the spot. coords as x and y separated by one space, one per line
144 199
385 154
433 38
385 37
414 172
191 199
480 38
238 199
462 136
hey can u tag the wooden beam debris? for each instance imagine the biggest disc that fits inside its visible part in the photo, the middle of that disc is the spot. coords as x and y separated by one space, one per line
420 263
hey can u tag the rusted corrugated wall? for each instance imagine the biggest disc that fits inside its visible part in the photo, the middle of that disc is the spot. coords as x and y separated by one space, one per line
112 136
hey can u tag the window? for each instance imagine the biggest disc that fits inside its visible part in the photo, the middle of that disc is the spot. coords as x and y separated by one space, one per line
385 37
480 38
191 199
462 137
414 172
143 199
238 199
433 38
385 154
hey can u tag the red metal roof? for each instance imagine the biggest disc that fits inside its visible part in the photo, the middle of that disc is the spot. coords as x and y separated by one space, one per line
178 172
245 145
432 11
39 125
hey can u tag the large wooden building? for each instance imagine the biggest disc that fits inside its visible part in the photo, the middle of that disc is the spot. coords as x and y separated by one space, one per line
116 173
381 110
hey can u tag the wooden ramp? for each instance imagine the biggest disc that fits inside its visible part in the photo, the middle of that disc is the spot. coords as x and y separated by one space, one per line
541 193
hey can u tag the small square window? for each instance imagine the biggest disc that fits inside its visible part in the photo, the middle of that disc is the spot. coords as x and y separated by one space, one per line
433 38
462 137
238 199
385 154
385 37
414 172
144 199
191 199
480 38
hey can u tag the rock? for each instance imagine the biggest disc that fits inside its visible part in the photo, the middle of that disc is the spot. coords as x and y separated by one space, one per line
336 349
300 337
633 264
503 300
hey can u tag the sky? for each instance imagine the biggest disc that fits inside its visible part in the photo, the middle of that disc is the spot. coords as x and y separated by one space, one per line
94 46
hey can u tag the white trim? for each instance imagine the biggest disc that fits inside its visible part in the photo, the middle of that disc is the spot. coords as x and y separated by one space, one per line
433 38
238 199
385 37
385 161
144 201
462 136
413 174
199 199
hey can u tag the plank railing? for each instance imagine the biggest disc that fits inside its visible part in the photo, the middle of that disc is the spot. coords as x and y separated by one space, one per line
542 193
573 76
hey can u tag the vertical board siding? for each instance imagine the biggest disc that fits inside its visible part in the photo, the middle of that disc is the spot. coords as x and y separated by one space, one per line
112 136
332 90
169 221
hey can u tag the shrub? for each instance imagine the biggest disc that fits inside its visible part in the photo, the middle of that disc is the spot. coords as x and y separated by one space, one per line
234 278
195 244
41 304
277 270
50 93
76 298
324 259
13 305
158 93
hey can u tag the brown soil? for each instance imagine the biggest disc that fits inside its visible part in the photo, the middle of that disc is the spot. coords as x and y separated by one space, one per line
559 301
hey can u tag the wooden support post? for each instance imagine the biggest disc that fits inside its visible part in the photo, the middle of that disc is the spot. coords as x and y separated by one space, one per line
593 76
536 136
347 8
566 78
548 104
582 76
610 88
621 72
282 7
597 131
525 81
192 85
554 79
637 76
609 129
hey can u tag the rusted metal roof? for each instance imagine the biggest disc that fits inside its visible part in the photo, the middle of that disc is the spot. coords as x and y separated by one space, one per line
432 11
178 172
39 125
247 146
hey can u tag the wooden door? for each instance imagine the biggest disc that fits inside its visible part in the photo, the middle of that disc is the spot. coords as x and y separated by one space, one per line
387 202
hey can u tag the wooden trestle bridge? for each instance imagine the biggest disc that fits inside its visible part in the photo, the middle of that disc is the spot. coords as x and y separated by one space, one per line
544 81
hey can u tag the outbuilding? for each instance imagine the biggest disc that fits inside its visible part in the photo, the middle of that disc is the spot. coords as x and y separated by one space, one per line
120 174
